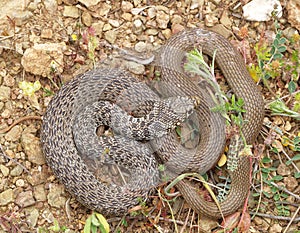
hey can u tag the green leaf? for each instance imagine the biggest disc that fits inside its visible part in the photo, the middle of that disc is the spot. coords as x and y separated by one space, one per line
282 40
266 160
277 178
297 175
277 56
292 86
295 158
87 226
281 49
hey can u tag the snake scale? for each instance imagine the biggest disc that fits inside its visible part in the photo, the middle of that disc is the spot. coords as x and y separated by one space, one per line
117 86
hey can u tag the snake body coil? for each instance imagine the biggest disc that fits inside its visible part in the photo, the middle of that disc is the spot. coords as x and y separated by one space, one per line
118 87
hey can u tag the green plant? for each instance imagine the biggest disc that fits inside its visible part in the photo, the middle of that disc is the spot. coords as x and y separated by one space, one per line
96 222
274 192
54 228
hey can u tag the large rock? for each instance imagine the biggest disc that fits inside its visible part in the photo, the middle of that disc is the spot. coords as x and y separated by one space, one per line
42 59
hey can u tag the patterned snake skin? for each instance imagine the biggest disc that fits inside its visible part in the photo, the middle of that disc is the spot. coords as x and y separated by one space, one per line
117 86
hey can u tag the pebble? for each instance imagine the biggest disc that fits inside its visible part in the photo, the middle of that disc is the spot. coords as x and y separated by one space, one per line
47 33
262 10
55 196
32 216
140 46
9 81
275 228
6 197
50 6
32 148
283 170
20 183
40 193
135 68
104 9
14 134
98 27
113 22
4 170
293 14
87 18
71 11
16 171
225 19
6 113
4 93
126 6
111 36
25 199
162 19
290 183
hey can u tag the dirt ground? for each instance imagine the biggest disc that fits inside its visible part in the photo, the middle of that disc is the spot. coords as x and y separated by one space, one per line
52 41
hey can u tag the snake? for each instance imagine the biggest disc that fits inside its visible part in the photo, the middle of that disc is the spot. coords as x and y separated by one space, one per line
118 87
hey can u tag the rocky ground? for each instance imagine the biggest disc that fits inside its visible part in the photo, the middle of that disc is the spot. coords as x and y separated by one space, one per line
51 41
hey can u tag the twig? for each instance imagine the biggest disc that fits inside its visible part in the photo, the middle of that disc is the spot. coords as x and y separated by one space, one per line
19 121
293 219
275 217
285 190
12 159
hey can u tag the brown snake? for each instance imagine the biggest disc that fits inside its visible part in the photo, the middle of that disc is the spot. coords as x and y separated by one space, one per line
68 165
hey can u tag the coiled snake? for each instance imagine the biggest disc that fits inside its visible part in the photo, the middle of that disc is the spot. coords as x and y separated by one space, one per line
117 86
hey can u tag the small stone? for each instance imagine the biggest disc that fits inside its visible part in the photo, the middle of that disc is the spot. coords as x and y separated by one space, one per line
135 68
107 27
151 12
140 46
16 171
162 19
104 9
210 20
127 16
225 19
220 29
4 93
152 31
290 183
287 126
6 114
283 170
113 22
40 193
4 170
14 134
25 199
176 19
50 6
20 183
111 36
196 3
6 197
71 11
89 3
177 28
47 33
293 14
126 6
32 148
137 26
275 228
167 33
87 18
32 216
55 196
262 10
98 27
9 81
